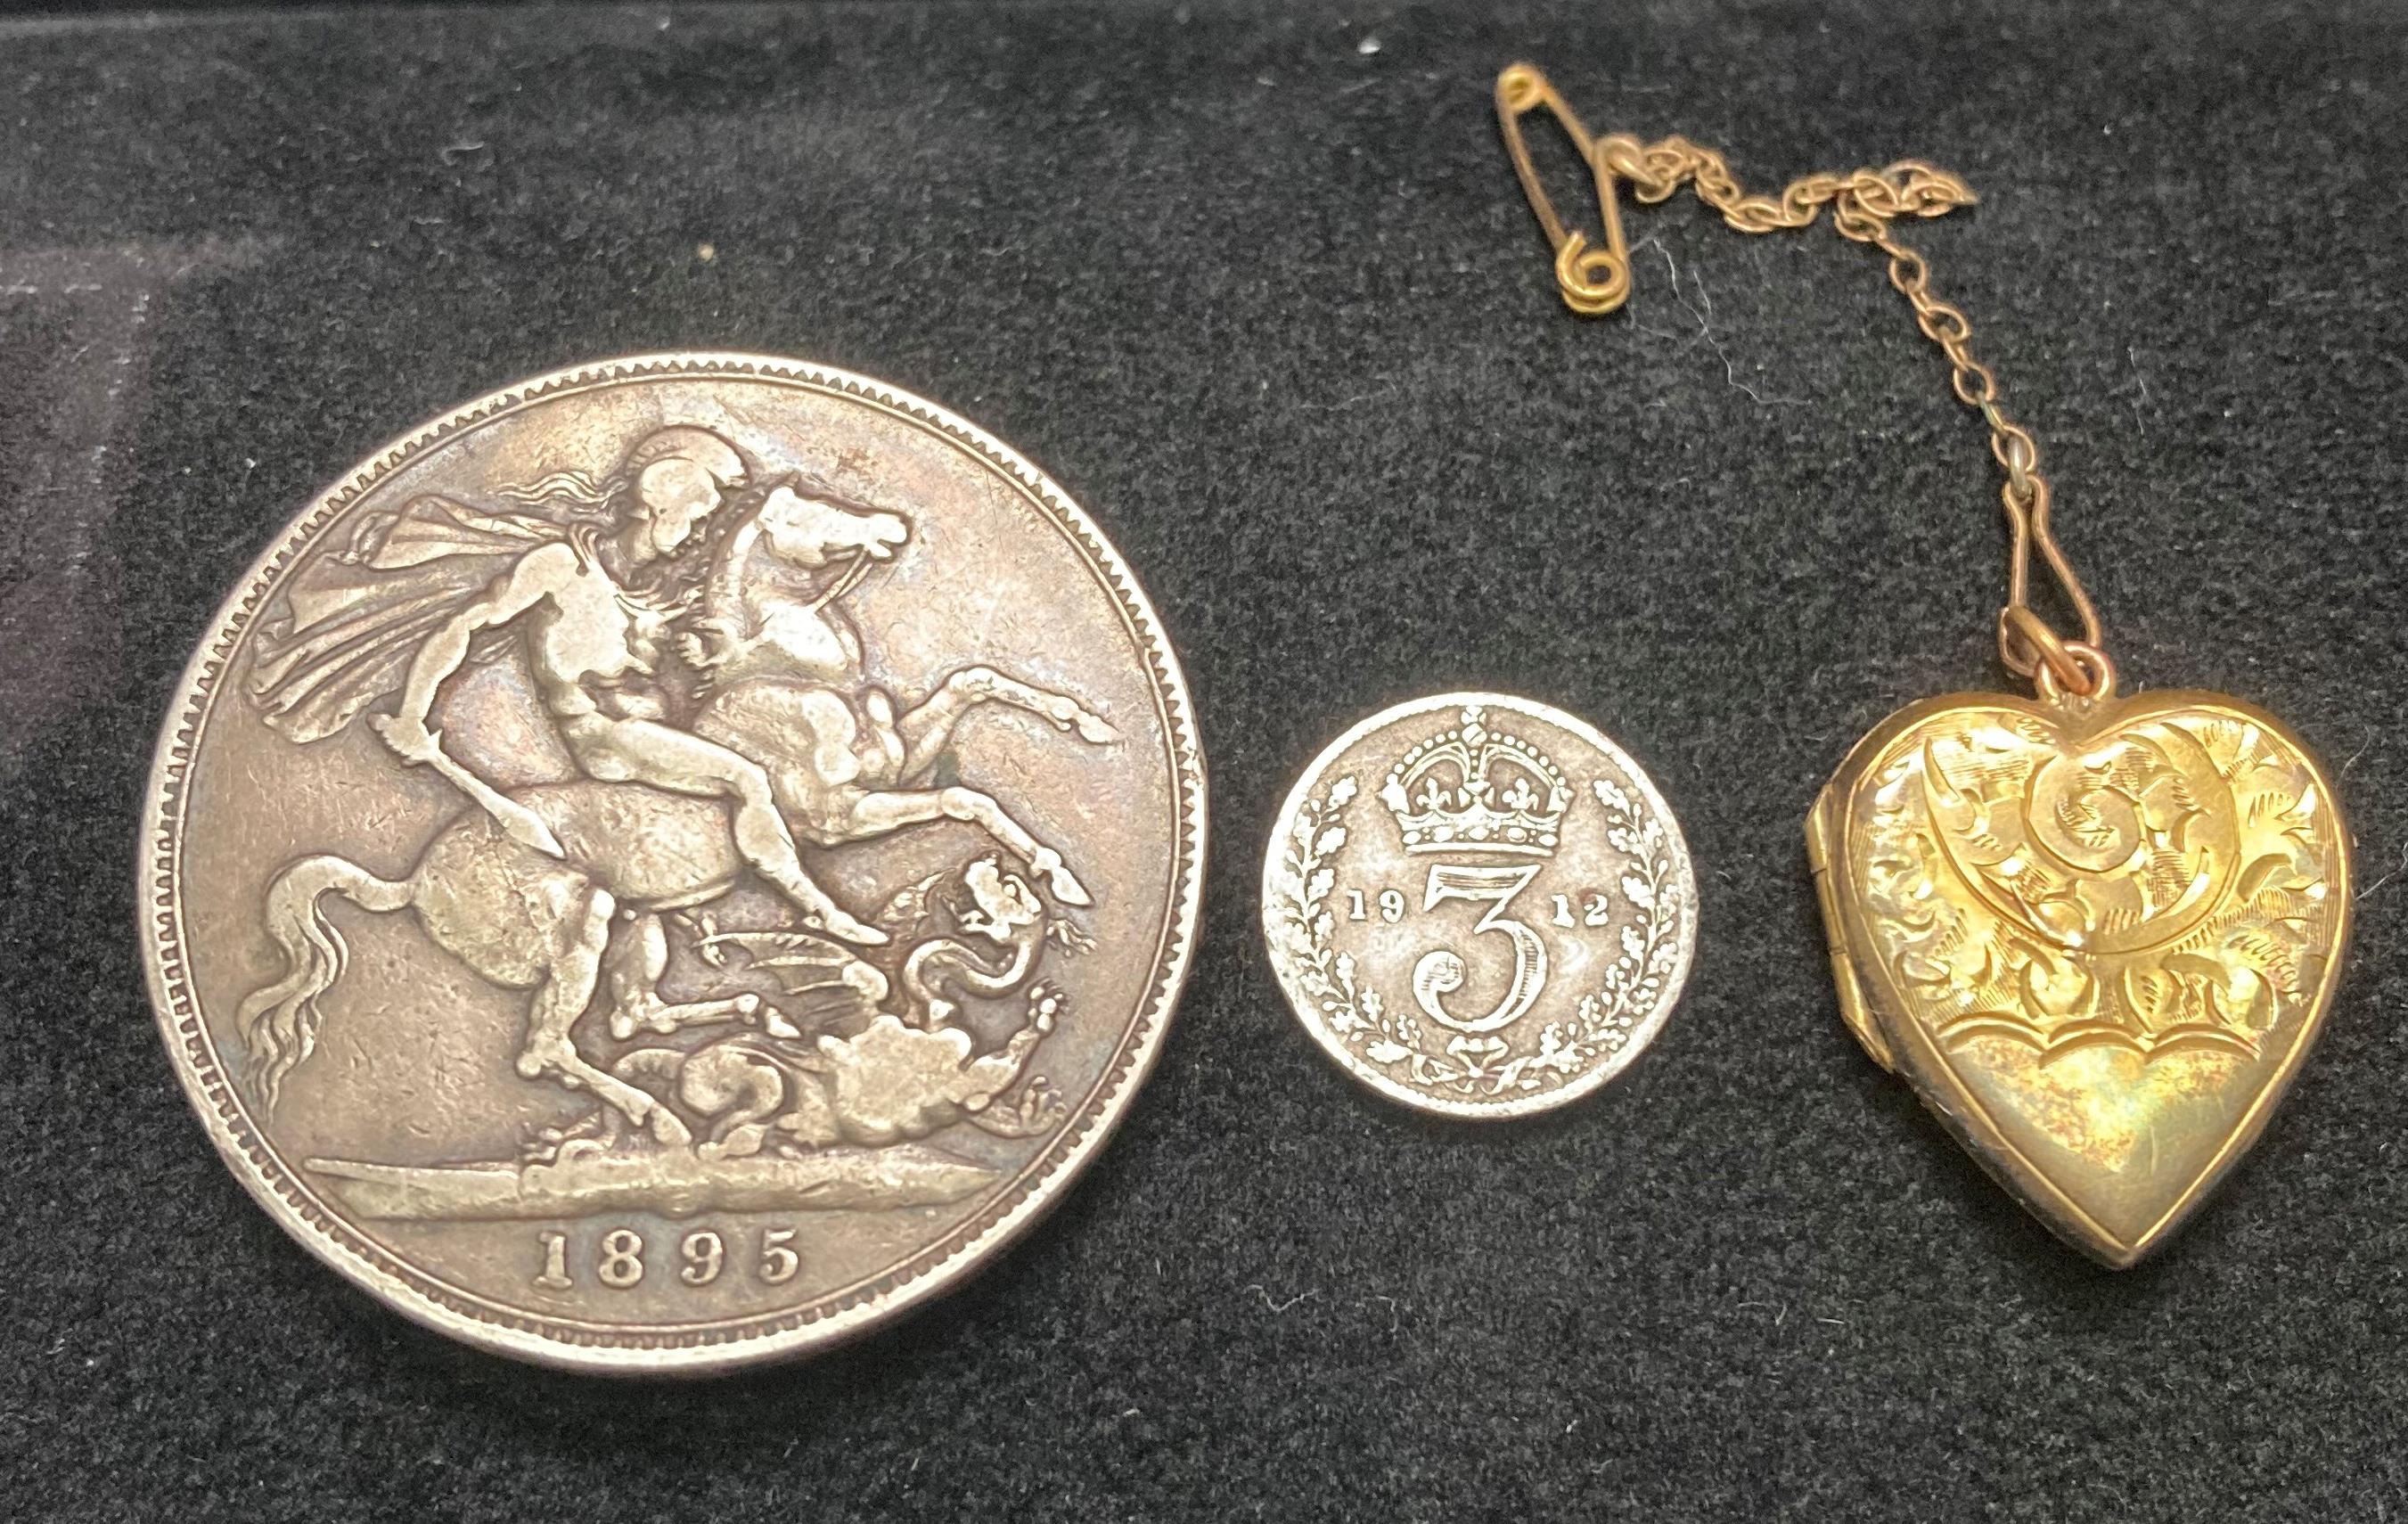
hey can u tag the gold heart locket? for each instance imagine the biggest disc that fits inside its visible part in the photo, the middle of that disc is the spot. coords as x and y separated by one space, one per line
2098 935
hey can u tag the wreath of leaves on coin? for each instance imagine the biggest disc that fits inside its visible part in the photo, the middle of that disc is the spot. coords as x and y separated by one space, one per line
1358 1015
1600 1026
1633 983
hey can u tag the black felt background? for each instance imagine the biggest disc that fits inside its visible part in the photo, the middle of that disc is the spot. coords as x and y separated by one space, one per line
1267 300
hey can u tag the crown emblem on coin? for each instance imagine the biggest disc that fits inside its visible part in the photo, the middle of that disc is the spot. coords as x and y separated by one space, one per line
1477 789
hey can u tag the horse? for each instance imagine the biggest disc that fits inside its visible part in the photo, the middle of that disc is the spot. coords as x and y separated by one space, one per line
784 686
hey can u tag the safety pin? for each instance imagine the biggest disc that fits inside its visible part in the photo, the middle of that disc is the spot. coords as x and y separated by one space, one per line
1594 281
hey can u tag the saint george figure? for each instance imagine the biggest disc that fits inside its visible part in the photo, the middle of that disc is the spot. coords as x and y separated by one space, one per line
423 590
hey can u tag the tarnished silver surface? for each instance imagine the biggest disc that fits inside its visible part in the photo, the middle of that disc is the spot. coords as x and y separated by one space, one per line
1479 905
673 863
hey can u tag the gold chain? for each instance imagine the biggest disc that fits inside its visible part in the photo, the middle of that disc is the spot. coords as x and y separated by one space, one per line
1864 205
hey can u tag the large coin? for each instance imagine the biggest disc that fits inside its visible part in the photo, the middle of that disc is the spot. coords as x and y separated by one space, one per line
674 863
1478 905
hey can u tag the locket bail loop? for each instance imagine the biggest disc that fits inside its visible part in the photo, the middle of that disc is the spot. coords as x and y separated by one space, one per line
2026 643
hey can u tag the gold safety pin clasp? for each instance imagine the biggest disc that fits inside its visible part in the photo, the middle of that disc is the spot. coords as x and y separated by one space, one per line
1593 281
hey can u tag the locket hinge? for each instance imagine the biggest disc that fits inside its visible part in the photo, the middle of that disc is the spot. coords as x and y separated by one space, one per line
1854 1008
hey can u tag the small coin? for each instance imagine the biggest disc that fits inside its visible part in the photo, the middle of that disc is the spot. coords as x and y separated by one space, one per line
673 863
1478 905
